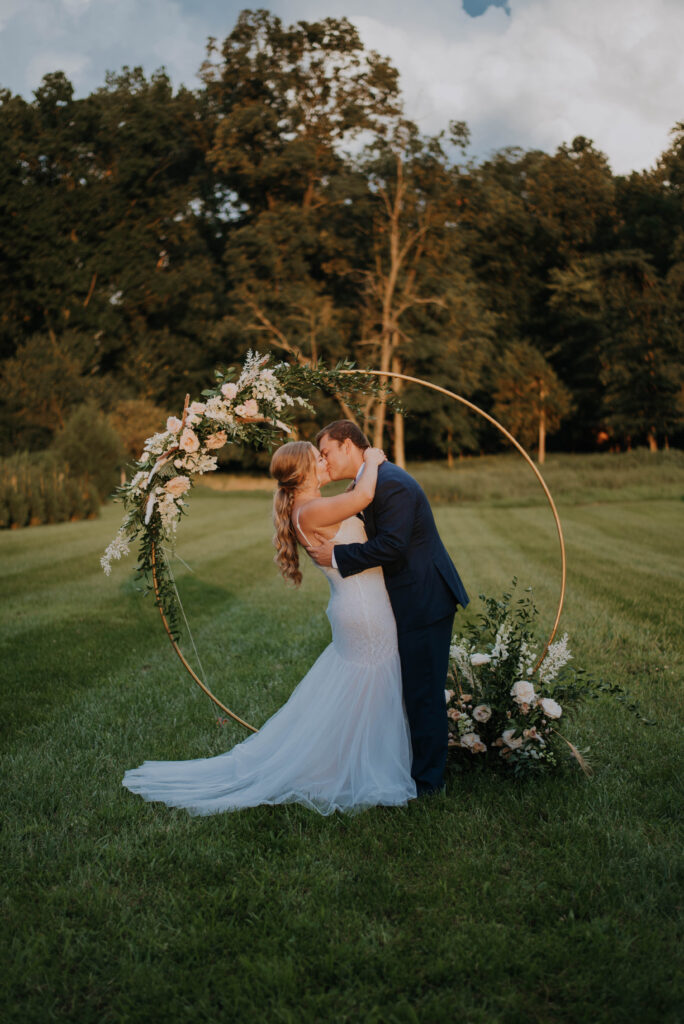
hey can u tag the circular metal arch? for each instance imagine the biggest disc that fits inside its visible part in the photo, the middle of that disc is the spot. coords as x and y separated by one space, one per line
490 419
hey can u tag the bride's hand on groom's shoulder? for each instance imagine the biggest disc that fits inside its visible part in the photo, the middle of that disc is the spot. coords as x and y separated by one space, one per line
374 456
321 549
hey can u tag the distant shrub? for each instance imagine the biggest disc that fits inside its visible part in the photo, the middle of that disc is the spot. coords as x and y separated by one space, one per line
90 448
35 487
134 420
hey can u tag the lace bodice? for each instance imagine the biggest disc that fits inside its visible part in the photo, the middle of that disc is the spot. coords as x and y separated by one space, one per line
359 610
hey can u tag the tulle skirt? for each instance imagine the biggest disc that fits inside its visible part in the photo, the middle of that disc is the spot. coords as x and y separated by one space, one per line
340 743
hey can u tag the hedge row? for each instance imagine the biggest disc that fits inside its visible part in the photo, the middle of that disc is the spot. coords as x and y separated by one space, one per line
38 488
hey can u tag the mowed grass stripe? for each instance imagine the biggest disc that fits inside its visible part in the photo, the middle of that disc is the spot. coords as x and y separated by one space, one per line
550 902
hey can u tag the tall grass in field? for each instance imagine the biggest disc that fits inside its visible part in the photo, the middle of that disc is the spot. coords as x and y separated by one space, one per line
37 488
505 479
553 901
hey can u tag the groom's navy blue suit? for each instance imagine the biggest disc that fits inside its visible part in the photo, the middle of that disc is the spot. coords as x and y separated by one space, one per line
424 589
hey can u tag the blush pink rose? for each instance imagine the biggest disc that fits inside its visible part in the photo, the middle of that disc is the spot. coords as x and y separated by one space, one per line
471 741
177 485
249 408
189 440
216 440
510 740
173 424
195 411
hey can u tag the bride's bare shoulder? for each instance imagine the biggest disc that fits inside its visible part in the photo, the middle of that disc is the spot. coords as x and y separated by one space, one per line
306 517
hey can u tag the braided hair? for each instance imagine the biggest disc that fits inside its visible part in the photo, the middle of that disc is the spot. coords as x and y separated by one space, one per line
290 466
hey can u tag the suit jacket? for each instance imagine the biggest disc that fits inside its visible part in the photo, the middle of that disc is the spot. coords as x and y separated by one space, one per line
421 580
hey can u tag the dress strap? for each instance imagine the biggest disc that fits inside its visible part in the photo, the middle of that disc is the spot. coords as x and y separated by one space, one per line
298 528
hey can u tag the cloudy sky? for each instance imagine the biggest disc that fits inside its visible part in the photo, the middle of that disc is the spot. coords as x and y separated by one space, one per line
532 73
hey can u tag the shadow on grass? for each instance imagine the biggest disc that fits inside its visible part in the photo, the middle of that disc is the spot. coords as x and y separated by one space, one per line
84 649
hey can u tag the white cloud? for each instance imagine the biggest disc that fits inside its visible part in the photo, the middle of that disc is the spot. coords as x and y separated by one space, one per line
551 70
76 6
85 38
72 64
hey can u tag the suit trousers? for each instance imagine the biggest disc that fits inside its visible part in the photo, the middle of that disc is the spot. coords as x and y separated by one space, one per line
424 655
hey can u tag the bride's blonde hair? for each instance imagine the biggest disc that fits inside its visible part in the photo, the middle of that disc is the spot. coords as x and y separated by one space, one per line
290 466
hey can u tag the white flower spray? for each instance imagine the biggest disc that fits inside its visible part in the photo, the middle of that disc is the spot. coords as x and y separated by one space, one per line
556 657
460 655
118 548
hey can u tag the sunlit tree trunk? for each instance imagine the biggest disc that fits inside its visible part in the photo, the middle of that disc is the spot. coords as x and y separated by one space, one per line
450 449
399 453
541 457
652 441
381 408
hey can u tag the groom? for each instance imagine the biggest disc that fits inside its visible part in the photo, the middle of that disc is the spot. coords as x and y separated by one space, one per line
423 586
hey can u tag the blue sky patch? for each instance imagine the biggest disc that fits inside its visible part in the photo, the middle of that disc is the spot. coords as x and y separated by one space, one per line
477 7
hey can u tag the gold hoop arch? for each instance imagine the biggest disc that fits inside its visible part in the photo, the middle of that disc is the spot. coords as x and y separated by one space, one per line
469 405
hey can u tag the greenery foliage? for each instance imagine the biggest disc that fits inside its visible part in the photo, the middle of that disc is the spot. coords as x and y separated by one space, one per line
90 448
511 697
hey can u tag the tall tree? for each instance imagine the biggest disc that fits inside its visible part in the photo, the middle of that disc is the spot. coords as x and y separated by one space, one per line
528 216
638 329
286 101
111 254
421 301
529 399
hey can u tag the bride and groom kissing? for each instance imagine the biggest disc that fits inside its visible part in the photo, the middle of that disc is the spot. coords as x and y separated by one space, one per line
367 725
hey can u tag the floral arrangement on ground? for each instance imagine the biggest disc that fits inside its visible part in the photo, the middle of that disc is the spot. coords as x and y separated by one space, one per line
506 705
254 406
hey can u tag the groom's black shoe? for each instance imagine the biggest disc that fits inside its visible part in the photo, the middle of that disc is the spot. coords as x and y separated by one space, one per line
430 790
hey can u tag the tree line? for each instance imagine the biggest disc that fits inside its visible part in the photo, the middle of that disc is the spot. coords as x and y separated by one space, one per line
288 204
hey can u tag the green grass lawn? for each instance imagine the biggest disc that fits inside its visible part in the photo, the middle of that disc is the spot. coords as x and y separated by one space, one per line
556 900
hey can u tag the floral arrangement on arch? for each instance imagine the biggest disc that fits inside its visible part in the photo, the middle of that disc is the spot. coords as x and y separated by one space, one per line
500 711
254 406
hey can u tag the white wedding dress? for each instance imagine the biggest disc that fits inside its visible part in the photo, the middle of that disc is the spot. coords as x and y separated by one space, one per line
340 743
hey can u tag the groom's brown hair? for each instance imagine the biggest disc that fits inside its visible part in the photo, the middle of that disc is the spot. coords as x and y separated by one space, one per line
340 430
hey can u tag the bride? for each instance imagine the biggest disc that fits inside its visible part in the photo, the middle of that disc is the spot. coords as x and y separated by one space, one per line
341 742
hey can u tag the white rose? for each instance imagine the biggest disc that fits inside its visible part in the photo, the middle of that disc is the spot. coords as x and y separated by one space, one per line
248 408
510 740
448 694
229 391
522 692
482 713
479 659
551 708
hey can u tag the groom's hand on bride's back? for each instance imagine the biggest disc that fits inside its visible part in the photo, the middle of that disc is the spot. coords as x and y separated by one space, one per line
321 549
